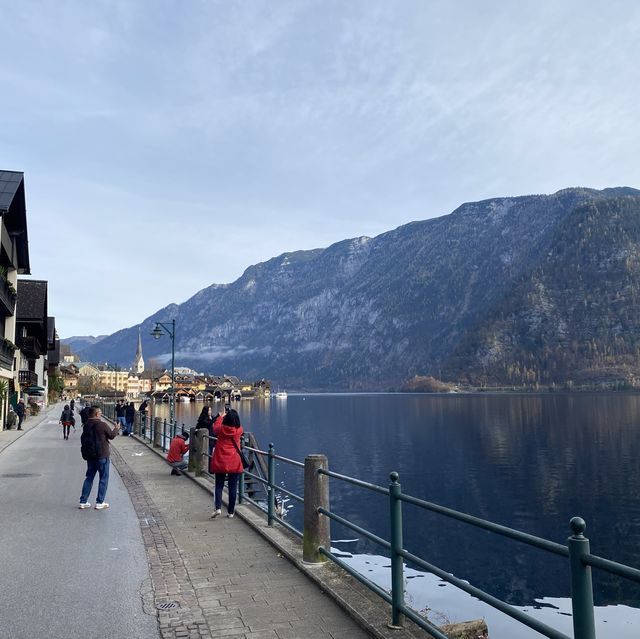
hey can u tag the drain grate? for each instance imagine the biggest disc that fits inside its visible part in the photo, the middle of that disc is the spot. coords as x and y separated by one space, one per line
167 605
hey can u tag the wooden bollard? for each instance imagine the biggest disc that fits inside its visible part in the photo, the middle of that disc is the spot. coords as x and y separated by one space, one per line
317 528
202 446
157 432
193 452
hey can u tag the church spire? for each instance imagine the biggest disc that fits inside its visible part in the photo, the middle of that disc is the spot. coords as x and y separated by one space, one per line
138 362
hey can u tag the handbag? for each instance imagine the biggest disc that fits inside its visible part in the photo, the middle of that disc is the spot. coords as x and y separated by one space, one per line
243 457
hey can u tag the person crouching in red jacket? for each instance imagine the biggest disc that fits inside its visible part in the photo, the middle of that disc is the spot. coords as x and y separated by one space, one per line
226 460
177 449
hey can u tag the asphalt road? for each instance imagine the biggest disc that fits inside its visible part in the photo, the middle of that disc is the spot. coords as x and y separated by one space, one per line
67 573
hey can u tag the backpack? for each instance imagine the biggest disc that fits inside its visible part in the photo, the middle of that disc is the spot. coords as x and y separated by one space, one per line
89 445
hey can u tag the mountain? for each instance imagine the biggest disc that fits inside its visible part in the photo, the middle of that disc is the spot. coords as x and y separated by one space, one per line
78 343
528 290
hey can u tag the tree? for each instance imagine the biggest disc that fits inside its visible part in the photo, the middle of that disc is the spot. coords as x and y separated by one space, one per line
56 387
87 385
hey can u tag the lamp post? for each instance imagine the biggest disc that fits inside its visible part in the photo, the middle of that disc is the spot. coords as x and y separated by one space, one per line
170 330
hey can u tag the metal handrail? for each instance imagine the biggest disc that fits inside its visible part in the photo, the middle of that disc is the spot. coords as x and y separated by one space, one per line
526 538
354 481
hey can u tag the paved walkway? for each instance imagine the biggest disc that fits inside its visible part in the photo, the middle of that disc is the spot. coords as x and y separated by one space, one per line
227 580
217 578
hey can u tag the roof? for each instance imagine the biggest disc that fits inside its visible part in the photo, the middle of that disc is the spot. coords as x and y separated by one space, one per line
32 301
13 209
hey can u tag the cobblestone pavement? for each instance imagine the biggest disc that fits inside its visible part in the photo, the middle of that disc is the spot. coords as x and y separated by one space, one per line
226 579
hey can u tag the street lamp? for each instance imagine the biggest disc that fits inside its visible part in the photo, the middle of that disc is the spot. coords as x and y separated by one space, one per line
157 333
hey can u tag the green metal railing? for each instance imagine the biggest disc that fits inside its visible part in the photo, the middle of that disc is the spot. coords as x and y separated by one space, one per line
577 549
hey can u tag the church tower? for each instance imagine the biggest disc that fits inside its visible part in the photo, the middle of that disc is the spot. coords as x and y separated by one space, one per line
138 362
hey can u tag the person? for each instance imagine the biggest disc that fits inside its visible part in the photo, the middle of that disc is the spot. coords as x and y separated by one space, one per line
177 450
84 414
12 418
143 416
205 420
72 405
226 462
101 433
67 420
120 414
129 416
20 412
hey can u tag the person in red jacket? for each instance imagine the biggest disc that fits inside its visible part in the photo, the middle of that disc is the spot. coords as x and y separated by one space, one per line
177 449
226 460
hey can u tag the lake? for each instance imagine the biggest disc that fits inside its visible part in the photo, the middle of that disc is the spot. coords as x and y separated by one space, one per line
529 462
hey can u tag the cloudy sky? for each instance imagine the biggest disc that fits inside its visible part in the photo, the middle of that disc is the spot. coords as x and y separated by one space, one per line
168 145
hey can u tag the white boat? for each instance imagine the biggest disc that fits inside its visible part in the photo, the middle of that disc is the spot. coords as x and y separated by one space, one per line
281 395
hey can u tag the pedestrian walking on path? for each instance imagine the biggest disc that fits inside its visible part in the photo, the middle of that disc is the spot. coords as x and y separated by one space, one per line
21 411
94 446
226 462
67 420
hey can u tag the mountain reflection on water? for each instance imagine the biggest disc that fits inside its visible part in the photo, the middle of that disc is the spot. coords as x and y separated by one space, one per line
529 462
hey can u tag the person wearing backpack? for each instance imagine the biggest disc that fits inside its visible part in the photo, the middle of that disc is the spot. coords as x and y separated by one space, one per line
67 421
94 446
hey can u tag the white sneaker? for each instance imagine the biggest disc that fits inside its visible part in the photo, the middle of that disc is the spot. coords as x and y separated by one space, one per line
104 504
230 515
216 513
86 504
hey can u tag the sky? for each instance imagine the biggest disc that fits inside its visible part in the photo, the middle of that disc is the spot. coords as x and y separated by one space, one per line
168 145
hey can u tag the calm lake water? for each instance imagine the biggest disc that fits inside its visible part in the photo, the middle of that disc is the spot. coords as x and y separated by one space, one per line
528 462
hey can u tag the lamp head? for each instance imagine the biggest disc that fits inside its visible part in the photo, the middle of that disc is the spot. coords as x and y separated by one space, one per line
156 333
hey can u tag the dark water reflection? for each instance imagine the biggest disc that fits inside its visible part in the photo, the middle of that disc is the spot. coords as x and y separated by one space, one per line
528 462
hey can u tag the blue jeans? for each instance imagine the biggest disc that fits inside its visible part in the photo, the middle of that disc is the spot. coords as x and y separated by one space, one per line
100 466
233 490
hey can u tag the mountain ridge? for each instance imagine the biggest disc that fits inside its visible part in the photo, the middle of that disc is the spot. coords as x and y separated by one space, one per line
370 313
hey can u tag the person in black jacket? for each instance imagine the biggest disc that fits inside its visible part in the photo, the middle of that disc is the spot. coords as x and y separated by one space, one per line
205 420
21 411
129 417
67 421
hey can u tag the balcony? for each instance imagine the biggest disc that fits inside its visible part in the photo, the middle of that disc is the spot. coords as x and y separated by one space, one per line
27 378
7 298
29 346
7 349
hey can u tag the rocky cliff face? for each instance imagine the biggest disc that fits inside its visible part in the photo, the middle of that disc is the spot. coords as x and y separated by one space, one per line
506 291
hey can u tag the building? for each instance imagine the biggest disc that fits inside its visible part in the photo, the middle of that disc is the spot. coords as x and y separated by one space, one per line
32 338
138 362
14 261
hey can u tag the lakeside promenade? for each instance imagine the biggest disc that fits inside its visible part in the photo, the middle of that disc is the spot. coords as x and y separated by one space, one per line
86 573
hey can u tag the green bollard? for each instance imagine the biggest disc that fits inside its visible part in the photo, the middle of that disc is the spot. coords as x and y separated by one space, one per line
397 562
581 586
271 488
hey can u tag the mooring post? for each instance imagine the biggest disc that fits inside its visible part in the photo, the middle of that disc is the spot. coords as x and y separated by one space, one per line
202 448
316 533
193 453
581 585
157 432
397 562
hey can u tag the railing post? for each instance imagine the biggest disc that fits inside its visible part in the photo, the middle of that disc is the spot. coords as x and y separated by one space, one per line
136 424
193 452
241 488
581 586
316 532
271 492
164 434
202 448
397 562
157 432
